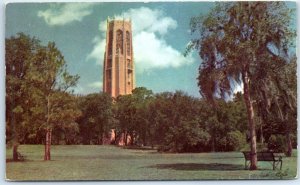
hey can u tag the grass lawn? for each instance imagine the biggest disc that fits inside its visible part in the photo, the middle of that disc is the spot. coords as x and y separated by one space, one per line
91 162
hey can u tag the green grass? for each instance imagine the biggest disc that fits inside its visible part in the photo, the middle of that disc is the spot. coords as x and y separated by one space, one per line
90 162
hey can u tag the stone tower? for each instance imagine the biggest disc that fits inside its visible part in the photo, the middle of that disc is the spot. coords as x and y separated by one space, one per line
118 65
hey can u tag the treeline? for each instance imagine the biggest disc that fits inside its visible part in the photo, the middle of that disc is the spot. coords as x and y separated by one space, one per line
170 122
177 122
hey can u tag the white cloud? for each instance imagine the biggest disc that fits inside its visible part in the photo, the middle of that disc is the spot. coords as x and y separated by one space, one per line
88 88
95 84
151 50
61 14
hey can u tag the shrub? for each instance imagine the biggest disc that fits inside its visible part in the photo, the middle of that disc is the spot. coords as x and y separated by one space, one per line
184 137
277 143
235 140
260 147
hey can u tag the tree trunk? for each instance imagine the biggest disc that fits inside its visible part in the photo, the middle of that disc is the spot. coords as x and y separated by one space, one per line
46 148
47 156
48 132
261 135
287 132
100 139
261 131
289 145
213 144
125 138
144 141
15 152
251 123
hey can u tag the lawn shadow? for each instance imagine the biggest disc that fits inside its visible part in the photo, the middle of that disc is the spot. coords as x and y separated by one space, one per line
199 166
139 148
10 160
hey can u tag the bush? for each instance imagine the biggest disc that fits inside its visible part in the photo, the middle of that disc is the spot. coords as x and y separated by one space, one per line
184 137
277 143
235 140
260 147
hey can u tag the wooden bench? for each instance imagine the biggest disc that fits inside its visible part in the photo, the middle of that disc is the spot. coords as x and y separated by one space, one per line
264 156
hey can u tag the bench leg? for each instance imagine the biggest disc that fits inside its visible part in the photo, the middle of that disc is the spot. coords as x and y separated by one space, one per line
280 165
275 164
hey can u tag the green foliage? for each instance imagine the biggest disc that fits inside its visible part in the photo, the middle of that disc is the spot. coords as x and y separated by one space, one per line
132 113
184 137
235 140
277 143
177 126
96 118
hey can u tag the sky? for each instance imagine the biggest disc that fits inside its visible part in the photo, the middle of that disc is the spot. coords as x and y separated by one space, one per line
160 35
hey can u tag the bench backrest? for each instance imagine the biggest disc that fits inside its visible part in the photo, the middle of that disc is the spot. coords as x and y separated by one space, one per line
261 156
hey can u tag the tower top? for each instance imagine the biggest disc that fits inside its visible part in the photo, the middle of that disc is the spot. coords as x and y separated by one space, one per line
112 19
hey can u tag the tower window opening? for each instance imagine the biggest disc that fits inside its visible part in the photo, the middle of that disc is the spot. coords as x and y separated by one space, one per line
129 75
119 39
110 37
128 43
128 64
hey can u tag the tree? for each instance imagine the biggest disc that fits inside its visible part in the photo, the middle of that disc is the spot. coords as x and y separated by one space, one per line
40 76
96 118
222 121
236 41
142 97
125 112
18 50
176 122
51 86
133 116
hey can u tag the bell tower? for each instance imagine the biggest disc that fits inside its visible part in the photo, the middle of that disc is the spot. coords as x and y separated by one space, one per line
118 65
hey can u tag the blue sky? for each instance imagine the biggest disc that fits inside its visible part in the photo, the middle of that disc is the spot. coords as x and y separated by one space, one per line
160 35
161 32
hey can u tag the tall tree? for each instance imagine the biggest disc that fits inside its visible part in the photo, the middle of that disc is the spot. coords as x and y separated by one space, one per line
18 50
236 41
38 90
51 81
